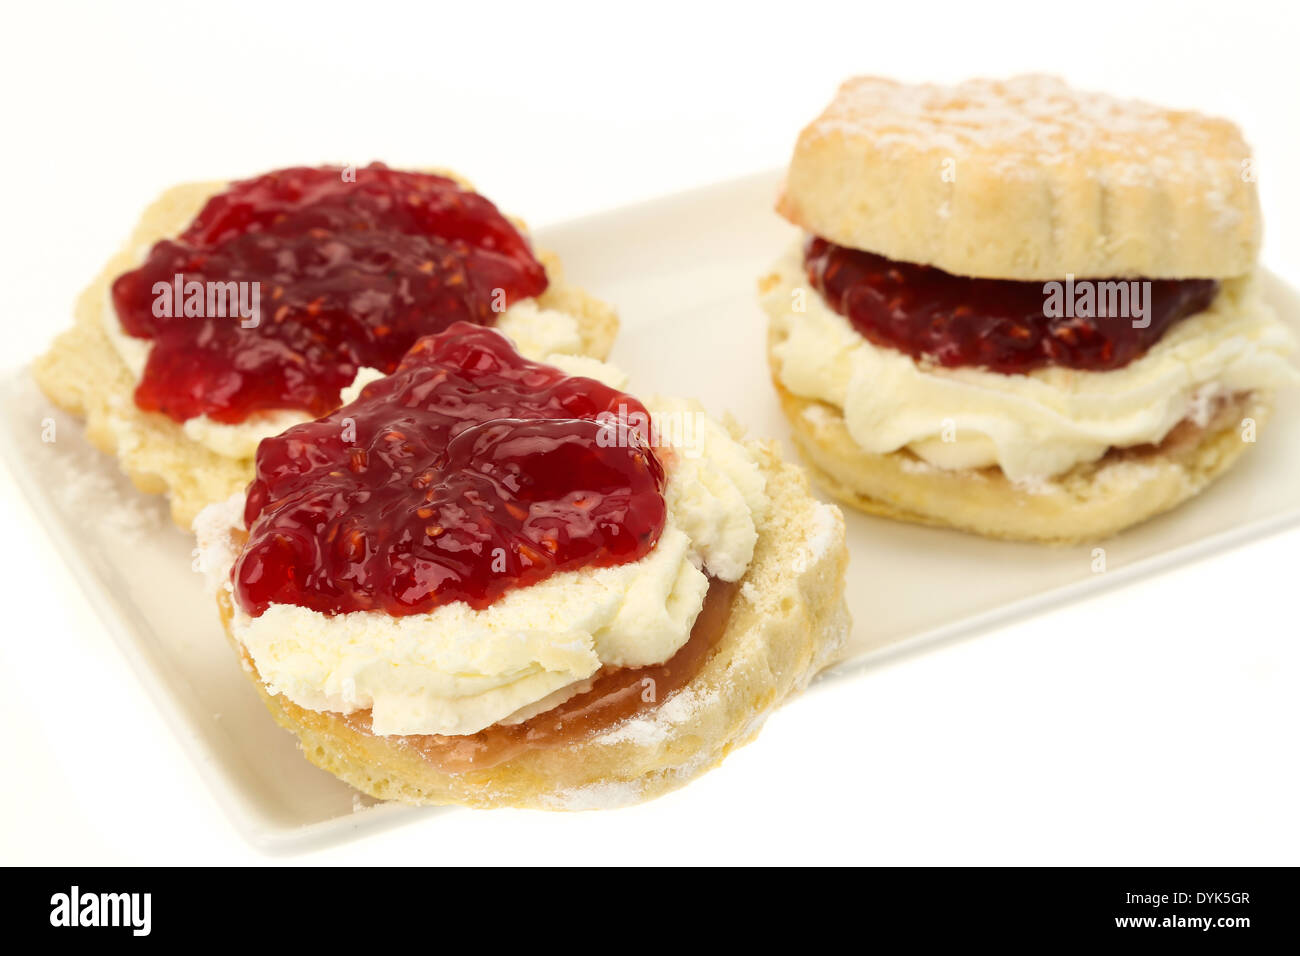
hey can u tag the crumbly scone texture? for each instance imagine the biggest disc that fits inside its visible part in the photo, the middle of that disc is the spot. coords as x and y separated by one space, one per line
1025 179
788 621
83 373
1089 502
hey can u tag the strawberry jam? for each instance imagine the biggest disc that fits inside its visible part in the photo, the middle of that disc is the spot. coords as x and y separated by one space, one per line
467 472
997 324
348 272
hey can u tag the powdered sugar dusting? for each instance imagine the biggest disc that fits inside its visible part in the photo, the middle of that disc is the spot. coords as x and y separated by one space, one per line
1036 485
1204 404
915 466
616 794
1040 121
87 486
824 530
1124 475
655 729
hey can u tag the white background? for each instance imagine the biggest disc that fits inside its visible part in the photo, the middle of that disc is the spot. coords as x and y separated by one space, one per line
1154 724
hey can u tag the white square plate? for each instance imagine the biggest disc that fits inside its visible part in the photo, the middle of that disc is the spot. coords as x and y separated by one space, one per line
681 271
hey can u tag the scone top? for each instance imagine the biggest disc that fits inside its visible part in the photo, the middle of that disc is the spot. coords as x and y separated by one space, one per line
1025 179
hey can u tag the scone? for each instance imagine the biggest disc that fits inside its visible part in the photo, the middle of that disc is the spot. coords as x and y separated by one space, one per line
238 309
494 582
1020 310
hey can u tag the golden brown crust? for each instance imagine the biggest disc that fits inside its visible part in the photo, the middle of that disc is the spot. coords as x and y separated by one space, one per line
1025 179
1087 503
787 622
83 373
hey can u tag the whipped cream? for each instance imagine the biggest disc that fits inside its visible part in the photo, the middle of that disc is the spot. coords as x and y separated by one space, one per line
455 670
1031 426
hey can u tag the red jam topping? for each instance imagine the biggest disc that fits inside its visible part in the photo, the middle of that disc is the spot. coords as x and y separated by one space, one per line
997 324
467 472
349 270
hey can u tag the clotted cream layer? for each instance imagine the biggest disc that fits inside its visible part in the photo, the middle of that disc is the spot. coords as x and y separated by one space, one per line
1035 425
455 670
536 333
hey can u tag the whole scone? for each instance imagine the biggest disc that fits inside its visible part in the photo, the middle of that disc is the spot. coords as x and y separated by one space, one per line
1019 309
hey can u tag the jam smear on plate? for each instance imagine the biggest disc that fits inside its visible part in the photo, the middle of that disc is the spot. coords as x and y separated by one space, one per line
350 270
467 472
997 324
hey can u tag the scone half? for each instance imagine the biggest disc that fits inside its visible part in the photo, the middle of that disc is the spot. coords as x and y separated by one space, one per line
783 620
784 626
1025 178
85 372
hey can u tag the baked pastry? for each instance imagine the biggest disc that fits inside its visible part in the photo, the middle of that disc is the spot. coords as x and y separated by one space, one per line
494 582
237 309
1018 309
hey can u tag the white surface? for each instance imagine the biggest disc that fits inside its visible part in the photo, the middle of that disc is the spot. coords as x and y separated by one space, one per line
1155 724
907 586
